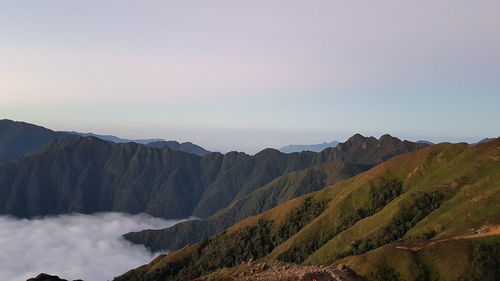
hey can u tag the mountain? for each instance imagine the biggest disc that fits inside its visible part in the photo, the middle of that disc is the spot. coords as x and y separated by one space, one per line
307 147
114 138
158 143
279 190
425 142
347 159
86 175
185 146
431 214
17 139
47 277
485 140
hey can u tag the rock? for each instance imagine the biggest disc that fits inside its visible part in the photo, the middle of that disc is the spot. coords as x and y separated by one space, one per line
317 276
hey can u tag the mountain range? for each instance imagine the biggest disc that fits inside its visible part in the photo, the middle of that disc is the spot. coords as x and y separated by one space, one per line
431 214
158 143
307 147
86 175
366 209
112 138
347 159
18 139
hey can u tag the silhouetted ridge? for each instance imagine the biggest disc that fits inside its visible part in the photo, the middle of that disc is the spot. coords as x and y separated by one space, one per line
17 139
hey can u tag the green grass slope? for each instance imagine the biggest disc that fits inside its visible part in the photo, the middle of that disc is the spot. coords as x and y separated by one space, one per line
437 193
331 165
279 190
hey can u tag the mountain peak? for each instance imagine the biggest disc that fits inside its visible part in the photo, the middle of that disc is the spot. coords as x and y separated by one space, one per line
356 138
388 138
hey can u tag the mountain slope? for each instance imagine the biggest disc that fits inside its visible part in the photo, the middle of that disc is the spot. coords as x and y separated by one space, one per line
439 192
346 160
307 147
90 175
278 191
18 139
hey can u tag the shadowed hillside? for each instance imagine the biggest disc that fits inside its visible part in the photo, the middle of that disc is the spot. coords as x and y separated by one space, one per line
86 174
17 139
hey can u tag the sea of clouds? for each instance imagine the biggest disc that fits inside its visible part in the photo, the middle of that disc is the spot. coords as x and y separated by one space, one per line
76 246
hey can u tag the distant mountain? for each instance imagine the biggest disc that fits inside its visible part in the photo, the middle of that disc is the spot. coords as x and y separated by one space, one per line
431 214
17 139
426 142
185 146
157 143
347 159
114 138
484 140
47 277
307 147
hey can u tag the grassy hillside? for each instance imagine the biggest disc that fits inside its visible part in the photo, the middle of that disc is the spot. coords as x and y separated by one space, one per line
439 192
460 258
346 160
279 190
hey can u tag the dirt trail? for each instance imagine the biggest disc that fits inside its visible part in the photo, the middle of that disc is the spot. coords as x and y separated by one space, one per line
488 230
279 271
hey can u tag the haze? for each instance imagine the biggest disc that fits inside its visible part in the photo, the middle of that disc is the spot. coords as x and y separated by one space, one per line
244 75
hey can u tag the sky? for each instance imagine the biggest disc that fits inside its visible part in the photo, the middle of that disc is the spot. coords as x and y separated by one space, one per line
245 75
76 246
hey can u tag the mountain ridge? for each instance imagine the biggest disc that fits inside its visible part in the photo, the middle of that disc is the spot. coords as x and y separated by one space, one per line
17 139
86 174
291 148
438 192
357 154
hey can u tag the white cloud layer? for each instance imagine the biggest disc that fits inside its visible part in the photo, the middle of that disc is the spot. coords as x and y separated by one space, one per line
76 246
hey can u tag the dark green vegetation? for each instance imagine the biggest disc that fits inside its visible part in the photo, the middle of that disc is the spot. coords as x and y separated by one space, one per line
18 139
380 196
86 175
280 190
374 222
344 161
232 248
407 217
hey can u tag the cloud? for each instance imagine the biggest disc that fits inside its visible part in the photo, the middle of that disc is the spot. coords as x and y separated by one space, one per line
76 246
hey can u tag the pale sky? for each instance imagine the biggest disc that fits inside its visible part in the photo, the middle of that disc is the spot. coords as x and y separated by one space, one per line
245 75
